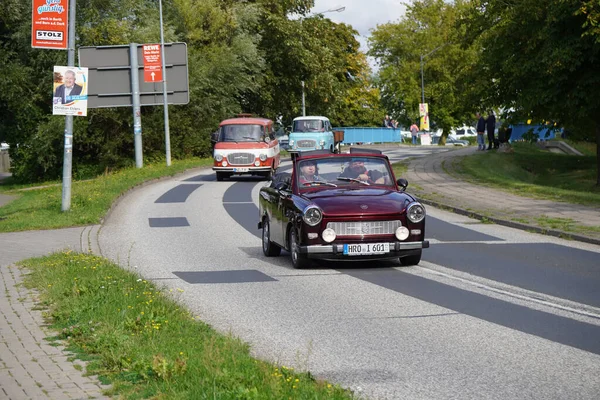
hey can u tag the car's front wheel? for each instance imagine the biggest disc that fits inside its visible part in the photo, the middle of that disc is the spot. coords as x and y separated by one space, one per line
270 249
299 260
411 260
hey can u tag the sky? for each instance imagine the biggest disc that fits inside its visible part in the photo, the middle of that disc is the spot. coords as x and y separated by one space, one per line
363 15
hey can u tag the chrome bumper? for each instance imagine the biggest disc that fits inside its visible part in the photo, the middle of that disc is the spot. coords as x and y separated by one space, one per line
338 249
250 169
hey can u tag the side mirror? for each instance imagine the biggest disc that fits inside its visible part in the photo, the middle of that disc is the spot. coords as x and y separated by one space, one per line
282 186
214 137
403 183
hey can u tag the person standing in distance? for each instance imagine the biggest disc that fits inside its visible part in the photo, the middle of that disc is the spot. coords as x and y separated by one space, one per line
68 88
480 131
490 124
414 131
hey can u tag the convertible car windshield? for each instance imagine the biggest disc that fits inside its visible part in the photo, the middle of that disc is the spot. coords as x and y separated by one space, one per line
343 171
241 133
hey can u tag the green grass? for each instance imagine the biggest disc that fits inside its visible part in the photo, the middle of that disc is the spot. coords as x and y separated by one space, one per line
136 337
40 207
531 172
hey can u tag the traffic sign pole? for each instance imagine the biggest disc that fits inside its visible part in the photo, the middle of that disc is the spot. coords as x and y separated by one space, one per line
68 147
137 114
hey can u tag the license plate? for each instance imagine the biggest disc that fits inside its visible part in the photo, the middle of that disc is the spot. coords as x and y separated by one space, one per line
241 169
365 249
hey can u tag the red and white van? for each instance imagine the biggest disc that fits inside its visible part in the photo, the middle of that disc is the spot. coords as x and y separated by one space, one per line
245 145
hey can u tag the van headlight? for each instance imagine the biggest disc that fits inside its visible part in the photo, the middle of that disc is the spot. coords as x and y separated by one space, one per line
322 142
291 142
312 215
415 213
263 157
218 157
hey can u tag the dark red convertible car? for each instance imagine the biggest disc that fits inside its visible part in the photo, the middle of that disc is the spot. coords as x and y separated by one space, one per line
341 207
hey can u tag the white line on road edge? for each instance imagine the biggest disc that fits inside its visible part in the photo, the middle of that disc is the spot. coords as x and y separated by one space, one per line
507 290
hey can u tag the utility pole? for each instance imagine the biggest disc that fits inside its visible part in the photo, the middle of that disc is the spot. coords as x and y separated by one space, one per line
338 9
68 147
165 100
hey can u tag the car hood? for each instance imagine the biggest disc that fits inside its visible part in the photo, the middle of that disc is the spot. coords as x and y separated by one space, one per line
367 201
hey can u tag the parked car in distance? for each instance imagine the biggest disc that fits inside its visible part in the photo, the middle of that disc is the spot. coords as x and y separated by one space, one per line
283 138
450 141
4 146
245 145
346 207
311 133
463 131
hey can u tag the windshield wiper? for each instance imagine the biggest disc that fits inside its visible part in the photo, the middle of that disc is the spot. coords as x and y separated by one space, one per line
311 183
344 178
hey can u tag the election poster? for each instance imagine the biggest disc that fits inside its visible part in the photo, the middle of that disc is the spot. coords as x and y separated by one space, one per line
70 91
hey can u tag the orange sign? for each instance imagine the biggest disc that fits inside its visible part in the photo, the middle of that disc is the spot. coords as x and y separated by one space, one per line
152 63
50 19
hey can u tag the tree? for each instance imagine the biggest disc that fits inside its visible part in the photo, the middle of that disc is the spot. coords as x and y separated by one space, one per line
542 60
429 30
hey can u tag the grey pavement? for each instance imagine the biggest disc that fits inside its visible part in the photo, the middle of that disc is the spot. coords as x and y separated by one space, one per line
30 368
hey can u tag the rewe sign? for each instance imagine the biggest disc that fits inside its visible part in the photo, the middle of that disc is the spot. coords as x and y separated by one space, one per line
152 63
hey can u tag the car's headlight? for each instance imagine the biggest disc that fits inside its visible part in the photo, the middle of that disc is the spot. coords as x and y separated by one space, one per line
322 142
263 157
415 213
291 142
312 215
218 157
402 233
328 235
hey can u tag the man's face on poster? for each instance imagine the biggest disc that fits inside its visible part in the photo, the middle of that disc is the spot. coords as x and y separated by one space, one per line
69 79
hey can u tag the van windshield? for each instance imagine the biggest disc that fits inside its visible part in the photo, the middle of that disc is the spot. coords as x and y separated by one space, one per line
308 125
241 133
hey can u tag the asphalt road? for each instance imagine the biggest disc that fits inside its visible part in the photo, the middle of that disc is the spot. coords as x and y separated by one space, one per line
491 312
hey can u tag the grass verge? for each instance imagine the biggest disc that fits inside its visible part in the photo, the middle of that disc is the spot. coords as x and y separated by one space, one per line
40 207
531 172
136 337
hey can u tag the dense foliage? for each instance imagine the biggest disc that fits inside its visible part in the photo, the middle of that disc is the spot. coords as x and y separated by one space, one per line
242 57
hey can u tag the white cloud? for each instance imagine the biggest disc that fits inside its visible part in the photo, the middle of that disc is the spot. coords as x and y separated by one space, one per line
363 15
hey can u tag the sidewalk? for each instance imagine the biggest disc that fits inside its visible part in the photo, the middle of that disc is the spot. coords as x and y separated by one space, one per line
32 369
429 180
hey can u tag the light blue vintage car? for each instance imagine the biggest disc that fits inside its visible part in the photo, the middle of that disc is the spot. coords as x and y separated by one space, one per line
311 133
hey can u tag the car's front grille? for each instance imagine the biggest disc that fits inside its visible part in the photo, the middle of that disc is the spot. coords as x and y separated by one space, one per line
307 143
241 158
363 228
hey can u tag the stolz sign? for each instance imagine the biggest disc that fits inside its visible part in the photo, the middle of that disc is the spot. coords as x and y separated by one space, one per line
49 24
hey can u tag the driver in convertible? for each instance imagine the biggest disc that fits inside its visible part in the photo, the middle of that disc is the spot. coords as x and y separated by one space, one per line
309 173
356 170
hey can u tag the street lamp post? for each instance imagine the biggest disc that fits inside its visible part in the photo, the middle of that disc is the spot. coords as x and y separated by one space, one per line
337 9
422 79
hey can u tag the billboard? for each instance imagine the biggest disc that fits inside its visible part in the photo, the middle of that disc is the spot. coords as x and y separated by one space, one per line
49 22
70 88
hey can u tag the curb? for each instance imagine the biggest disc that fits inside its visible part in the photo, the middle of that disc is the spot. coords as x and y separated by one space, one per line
512 224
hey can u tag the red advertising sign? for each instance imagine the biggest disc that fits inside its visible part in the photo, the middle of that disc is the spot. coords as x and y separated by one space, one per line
152 63
50 19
